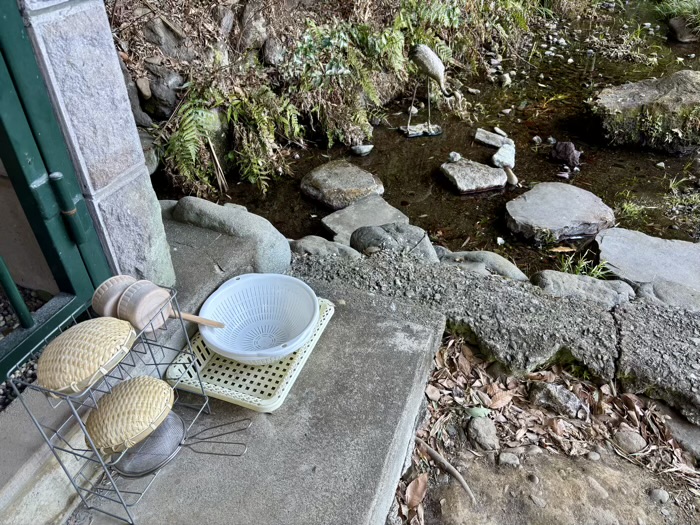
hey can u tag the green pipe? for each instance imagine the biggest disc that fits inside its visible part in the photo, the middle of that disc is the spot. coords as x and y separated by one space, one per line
18 304
65 203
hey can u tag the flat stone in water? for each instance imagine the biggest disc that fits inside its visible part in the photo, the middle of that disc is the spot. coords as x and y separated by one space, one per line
639 258
556 211
339 183
469 176
369 211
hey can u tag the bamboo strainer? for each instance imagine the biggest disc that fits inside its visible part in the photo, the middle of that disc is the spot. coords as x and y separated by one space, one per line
83 354
106 297
146 306
129 414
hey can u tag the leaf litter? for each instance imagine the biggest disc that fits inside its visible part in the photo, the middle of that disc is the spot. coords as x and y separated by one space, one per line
464 385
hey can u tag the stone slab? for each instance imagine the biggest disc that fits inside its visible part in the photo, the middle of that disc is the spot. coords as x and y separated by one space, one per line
316 246
369 211
492 139
640 258
339 183
660 354
334 451
469 176
553 211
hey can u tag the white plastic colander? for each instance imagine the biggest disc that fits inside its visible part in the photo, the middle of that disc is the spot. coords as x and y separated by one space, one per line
267 317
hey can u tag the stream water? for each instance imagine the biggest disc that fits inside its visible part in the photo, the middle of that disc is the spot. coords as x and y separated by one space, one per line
553 105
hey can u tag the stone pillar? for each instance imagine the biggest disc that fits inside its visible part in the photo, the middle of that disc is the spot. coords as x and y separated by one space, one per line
73 44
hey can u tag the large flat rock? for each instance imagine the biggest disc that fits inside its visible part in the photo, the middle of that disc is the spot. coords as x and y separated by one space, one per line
660 354
339 183
658 113
334 451
640 258
553 211
368 211
469 176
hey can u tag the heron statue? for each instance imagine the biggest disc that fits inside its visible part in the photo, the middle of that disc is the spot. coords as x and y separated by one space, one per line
430 65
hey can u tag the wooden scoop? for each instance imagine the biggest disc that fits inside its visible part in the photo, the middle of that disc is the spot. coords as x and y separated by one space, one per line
145 304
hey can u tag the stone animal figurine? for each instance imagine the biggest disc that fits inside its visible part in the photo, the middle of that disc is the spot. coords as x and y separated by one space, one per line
430 65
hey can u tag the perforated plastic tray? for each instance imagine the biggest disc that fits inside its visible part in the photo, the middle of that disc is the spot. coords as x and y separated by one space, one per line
262 388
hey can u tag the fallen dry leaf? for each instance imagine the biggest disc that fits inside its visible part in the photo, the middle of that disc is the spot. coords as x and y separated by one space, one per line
432 393
500 399
416 490
562 249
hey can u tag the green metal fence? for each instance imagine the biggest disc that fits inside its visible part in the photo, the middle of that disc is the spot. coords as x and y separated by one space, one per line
34 153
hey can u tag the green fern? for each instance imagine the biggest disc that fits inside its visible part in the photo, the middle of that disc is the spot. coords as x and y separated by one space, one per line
185 143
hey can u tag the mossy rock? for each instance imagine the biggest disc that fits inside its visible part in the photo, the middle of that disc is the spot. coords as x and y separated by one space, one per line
662 114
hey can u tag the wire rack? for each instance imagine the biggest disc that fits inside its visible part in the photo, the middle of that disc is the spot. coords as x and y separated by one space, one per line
97 480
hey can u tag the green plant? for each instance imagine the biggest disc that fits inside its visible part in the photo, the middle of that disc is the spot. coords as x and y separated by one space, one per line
260 120
189 152
583 265
675 184
688 9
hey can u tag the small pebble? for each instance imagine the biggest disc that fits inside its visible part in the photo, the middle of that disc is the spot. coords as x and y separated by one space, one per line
570 61
659 496
413 110
474 91
506 111
454 157
661 165
593 456
508 459
551 140
500 241
537 139
498 130
538 501
532 478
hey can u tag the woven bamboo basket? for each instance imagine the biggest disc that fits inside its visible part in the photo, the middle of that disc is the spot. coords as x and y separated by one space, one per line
129 414
83 354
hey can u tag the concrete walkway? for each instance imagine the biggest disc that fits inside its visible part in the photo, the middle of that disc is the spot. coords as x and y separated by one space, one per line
334 452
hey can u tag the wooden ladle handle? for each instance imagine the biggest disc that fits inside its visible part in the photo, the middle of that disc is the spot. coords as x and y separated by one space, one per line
199 320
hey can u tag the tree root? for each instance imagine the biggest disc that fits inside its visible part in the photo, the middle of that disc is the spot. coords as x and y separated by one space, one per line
447 467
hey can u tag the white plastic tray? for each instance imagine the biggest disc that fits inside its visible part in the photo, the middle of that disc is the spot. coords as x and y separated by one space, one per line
262 388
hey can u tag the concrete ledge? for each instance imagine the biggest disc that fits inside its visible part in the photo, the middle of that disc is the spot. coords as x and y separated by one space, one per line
334 452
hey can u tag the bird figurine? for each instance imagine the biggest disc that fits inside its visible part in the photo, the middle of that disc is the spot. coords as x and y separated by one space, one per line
430 65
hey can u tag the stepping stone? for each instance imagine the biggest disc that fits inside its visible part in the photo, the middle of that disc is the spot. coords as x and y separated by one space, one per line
369 211
491 139
639 258
656 113
553 211
397 237
338 184
469 176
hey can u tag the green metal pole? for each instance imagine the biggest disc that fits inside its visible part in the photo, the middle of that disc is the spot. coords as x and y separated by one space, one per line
16 300
65 203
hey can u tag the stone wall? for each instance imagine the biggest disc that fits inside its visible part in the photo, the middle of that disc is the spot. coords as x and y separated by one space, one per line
74 48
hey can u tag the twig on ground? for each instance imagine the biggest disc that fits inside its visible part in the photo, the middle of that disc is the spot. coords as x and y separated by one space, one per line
447 467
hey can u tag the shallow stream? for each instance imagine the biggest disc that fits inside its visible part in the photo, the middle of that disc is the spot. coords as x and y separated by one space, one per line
550 105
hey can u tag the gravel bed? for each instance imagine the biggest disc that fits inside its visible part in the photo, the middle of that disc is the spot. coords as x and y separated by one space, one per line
8 323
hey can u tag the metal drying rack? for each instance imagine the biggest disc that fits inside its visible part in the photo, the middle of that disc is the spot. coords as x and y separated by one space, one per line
98 481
